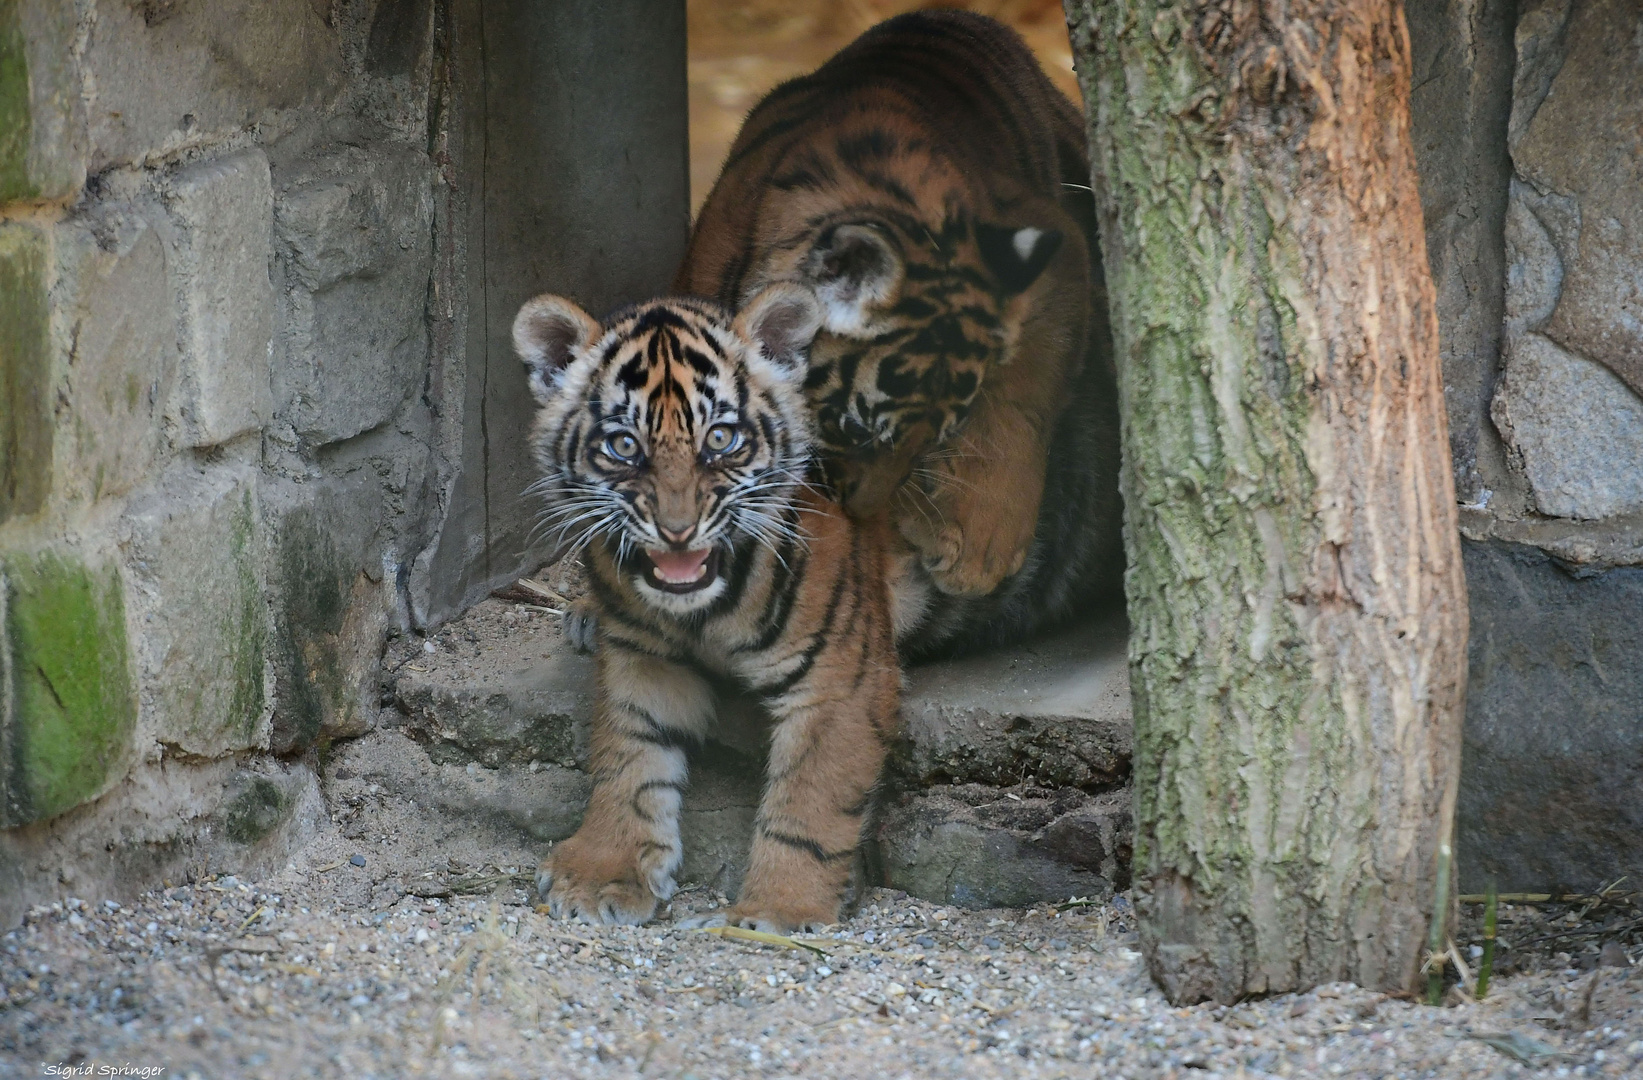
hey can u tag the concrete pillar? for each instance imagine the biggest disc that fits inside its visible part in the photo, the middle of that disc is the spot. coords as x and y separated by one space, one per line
568 139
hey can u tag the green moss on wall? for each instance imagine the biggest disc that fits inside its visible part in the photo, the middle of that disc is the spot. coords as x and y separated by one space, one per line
70 709
25 367
247 627
256 811
313 684
16 128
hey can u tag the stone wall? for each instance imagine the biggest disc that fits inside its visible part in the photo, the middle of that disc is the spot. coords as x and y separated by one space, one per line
257 410
1528 129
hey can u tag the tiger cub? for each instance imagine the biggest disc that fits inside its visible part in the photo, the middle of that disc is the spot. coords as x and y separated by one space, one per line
930 184
674 443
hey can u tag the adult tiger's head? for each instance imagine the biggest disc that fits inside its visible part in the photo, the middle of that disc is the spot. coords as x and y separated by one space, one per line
913 319
674 435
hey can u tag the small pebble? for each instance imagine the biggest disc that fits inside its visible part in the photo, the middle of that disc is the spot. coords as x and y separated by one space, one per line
925 941
358 860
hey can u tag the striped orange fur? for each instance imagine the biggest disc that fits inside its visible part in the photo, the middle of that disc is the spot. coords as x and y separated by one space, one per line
930 184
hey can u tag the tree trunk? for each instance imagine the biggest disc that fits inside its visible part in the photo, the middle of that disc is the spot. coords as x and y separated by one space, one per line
1298 612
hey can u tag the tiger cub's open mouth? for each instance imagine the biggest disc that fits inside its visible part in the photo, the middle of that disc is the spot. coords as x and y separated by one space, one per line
682 571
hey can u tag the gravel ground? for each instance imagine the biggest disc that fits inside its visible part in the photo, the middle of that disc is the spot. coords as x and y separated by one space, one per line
328 969
403 943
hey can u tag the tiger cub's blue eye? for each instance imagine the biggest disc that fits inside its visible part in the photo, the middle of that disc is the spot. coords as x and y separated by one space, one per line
722 438
622 447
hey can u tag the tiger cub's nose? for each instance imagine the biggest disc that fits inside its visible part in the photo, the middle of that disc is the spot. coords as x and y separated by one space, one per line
676 536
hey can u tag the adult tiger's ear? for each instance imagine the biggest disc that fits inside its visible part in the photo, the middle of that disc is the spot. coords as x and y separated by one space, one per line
546 332
783 319
853 268
1016 256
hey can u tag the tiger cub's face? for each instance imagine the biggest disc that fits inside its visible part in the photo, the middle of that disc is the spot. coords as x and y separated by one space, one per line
913 318
674 435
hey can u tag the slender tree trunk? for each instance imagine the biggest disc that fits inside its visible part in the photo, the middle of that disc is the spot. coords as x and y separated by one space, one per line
1298 643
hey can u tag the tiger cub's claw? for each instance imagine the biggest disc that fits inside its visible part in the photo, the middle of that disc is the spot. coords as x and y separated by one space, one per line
582 626
586 895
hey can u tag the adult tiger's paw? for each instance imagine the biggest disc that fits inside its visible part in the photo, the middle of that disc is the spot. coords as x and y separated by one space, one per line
576 884
969 561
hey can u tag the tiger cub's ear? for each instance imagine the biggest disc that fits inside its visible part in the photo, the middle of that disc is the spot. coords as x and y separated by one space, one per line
545 333
853 268
1016 256
782 320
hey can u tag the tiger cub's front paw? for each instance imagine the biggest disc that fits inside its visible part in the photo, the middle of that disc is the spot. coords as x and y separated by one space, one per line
577 883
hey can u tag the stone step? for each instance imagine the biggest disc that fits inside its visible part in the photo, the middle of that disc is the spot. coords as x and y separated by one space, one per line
1005 788
1054 712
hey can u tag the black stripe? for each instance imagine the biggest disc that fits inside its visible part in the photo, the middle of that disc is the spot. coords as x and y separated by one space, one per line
642 648
668 738
698 360
649 785
867 636
892 187
611 609
925 64
806 845
633 374
741 569
767 428
773 128
784 591
808 658
659 316
611 605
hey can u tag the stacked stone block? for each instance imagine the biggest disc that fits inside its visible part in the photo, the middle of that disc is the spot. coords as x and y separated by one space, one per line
221 211
216 247
1569 405
25 372
1528 130
43 138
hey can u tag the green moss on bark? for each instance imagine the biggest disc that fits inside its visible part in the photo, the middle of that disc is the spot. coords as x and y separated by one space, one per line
1297 613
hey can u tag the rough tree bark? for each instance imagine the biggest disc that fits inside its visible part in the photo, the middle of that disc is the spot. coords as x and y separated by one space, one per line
1298 643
